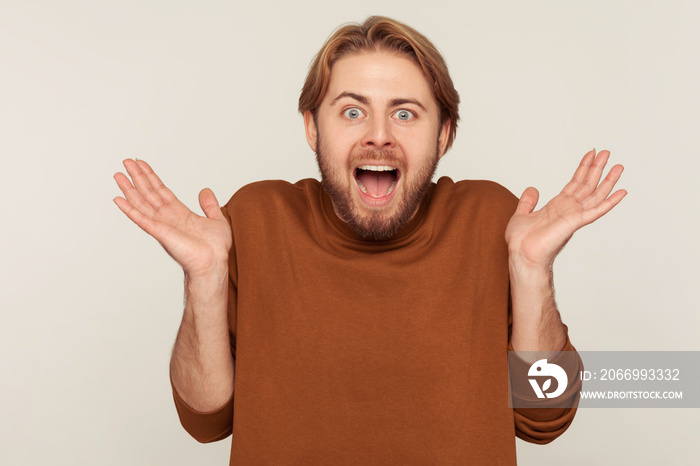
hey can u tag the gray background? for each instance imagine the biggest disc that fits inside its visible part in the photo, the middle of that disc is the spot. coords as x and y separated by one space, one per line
206 91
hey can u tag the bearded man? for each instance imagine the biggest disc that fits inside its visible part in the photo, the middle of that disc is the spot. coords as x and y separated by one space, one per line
366 318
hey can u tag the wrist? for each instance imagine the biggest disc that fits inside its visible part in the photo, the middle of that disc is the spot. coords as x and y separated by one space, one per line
213 271
529 271
208 283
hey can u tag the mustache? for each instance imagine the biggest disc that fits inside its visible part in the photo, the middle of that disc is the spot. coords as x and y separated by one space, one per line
378 155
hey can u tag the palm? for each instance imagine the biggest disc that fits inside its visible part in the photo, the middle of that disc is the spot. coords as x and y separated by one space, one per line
536 237
197 243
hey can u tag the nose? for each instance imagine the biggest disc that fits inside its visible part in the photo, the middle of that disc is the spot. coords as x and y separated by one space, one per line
379 134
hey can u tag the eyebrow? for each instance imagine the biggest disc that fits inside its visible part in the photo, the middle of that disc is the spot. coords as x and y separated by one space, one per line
397 102
364 100
360 98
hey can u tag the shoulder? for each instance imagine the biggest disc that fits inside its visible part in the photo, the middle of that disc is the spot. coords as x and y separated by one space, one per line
271 195
475 211
475 194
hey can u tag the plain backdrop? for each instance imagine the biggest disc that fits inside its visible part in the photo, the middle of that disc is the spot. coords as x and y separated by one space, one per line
206 92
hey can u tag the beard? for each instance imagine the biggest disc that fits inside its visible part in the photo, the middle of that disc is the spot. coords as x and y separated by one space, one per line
378 224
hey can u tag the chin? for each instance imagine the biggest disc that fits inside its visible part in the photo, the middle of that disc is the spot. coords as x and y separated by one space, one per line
374 193
373 223
376 226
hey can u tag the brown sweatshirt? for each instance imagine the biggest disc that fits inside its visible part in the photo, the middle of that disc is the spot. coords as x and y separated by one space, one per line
355 352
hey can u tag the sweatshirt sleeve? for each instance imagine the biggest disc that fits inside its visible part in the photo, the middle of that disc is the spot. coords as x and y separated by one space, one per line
214 425
542 425
205 427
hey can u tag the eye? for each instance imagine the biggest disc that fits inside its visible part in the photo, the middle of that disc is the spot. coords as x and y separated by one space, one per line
404 115
353 113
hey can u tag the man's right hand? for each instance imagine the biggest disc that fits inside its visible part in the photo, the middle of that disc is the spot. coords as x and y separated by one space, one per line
199 244
201 366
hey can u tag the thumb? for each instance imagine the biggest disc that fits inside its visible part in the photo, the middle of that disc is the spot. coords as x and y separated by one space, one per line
209 204
528 201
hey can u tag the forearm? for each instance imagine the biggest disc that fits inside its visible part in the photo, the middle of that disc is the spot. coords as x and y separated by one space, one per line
537 325
201 366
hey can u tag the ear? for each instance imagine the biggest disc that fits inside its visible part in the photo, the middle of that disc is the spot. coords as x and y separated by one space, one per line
311 130
442 137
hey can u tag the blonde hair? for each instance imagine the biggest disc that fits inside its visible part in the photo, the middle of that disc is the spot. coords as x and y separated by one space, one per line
381 33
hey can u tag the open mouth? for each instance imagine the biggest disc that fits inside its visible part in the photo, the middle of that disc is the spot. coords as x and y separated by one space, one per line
376 181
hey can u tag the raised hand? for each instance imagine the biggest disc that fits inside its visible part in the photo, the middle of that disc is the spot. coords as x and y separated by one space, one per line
535 237
199 244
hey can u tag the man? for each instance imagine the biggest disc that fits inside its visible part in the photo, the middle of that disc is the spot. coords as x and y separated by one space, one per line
367 316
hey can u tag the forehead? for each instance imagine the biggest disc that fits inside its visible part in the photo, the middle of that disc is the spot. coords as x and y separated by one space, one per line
380 76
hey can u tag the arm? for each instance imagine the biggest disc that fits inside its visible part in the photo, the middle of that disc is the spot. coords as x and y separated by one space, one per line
538 421
536 237
537 324
202 366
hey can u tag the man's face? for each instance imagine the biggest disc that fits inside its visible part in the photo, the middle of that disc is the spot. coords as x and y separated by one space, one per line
378 140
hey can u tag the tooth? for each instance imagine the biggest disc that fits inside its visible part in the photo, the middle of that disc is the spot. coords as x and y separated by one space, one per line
377 168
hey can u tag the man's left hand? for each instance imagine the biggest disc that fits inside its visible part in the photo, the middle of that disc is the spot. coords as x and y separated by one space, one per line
535 237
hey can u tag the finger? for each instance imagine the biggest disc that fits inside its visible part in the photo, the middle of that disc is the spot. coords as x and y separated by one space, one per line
132 195
528 201
580 173
591 215
605 188
144 222
162 190
142 183
594 174
209 204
